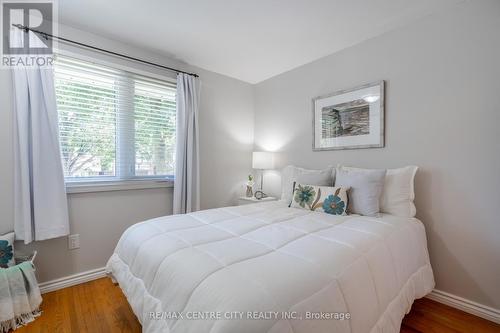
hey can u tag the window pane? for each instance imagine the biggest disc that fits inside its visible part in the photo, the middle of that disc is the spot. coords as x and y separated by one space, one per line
113 124
154 114
86 103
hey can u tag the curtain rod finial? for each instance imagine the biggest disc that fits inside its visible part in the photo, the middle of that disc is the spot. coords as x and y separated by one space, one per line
20 26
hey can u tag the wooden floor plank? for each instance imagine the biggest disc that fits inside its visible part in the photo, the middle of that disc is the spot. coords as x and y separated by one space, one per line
431 316
406 329
100 306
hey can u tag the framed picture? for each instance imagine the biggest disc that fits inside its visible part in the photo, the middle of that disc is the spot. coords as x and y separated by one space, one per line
349 119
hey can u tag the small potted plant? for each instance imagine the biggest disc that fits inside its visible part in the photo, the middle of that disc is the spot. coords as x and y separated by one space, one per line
250 183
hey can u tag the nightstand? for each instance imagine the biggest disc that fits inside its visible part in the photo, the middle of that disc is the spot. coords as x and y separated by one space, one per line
252 200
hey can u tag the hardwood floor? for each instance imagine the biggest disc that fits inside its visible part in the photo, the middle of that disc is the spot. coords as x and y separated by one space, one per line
99 306
94 307
430 316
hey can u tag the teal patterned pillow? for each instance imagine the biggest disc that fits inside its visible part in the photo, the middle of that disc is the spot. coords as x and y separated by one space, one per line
7 250
331 200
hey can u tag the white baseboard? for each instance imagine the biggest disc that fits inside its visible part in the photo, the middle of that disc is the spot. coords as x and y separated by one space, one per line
465 305
72 280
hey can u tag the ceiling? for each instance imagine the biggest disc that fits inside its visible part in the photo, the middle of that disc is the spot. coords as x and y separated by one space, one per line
251 40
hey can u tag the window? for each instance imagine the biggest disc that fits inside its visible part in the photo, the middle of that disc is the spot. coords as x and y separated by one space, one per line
113 124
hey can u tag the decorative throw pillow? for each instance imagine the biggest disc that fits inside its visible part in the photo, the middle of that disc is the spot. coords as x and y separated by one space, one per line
291 174
366 188
398 192
331 200
7 250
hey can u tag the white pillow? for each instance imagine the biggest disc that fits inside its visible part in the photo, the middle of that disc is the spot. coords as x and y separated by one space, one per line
398 192
366 189
291 174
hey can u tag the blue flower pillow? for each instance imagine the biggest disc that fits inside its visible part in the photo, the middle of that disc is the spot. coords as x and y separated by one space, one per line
331 200
7 250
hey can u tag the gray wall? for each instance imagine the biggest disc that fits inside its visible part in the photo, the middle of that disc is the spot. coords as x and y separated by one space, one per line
226 142
442 114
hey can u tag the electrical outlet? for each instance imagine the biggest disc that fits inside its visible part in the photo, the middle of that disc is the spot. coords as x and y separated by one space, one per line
74 241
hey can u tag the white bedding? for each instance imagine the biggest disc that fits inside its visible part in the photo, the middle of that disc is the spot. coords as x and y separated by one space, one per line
227 267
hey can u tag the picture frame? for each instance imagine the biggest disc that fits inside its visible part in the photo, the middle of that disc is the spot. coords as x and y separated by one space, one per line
350 119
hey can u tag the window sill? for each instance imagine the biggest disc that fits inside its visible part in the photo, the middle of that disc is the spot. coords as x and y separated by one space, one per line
124 185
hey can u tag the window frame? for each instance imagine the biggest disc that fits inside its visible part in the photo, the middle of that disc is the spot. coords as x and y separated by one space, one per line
123 180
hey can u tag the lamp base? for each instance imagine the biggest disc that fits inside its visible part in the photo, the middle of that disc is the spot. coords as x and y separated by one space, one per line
260 195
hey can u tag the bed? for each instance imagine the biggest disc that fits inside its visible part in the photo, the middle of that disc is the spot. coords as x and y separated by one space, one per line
269 268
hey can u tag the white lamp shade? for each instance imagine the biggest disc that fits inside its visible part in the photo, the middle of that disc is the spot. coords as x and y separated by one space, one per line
262 160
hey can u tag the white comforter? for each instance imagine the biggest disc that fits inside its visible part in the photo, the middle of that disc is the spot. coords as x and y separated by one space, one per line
269 268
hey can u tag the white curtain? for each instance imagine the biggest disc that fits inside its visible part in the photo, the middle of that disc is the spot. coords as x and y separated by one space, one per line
187 170
40 204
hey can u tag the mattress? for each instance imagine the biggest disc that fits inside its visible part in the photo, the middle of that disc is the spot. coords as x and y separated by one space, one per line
269 268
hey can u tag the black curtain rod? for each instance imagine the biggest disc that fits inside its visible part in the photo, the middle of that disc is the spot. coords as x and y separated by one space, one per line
46 35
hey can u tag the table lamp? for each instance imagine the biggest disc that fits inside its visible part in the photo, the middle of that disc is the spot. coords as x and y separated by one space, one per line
262 160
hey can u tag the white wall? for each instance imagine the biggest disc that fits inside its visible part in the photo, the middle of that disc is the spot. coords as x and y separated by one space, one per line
226 139
442 113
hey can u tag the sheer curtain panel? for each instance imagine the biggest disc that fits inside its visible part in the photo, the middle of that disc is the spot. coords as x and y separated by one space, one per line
40 204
